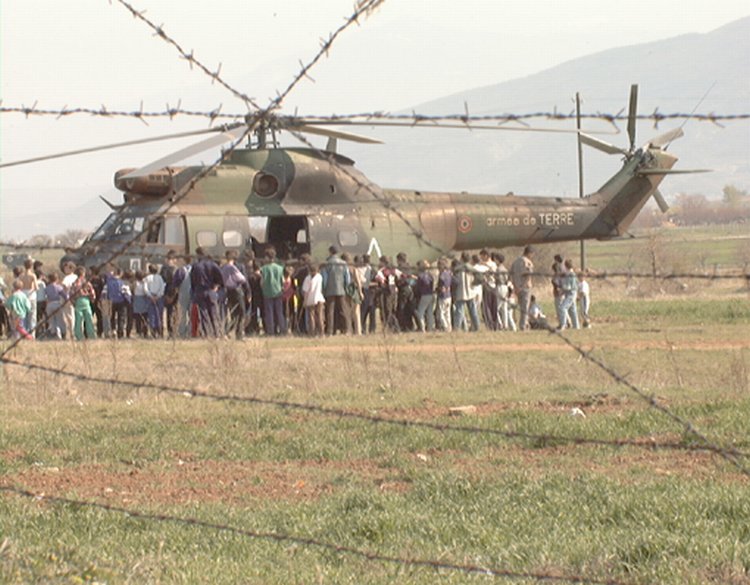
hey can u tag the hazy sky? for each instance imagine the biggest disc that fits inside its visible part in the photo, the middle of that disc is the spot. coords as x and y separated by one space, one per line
90 53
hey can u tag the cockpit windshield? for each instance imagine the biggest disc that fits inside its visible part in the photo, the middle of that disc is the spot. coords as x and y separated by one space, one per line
119 225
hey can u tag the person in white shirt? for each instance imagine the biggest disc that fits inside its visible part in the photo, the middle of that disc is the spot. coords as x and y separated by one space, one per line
314 301
584 295
68 309
154 286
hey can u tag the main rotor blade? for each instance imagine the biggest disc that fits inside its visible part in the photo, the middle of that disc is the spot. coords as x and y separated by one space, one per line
331 133
632 112
193 149
660 201
439 124
645 172
601 145
111 146
666 138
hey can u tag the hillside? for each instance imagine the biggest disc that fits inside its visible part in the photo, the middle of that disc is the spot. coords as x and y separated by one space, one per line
673 75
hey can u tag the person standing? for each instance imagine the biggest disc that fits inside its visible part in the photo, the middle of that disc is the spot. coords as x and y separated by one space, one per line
205 282
521 272
56 296
464 273
387 294
336 279
68 309
489 290
313 300
444 297
30 285
502 280
181 285
19 306
355 293
425 311
170 293
83 296
41 297
155 288
235 285
569 286
369 289
584 295
119 303
272 285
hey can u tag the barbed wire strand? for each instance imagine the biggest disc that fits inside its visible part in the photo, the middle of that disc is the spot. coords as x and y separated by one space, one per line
205 171
414 119
540 438
189 57
730 455
310 542
252 122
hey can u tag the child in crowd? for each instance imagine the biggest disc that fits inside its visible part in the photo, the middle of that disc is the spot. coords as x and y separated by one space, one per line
19 307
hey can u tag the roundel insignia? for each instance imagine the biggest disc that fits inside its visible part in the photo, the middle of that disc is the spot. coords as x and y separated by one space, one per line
465 224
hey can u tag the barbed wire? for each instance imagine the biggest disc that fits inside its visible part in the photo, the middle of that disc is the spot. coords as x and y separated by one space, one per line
730 455
189 57
361 8
310 542
262 116
252 122
414 118
156 217
381 198
591 274
537 438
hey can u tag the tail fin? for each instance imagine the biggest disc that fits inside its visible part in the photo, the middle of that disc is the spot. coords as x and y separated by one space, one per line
625 194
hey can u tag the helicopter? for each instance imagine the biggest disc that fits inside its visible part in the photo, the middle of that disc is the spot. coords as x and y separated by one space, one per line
304 200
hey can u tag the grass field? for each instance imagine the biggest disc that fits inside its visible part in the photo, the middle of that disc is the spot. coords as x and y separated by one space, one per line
338 460
535 505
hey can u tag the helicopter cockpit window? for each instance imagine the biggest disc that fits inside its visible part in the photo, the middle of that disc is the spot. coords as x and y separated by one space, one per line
116 225
106 228
129 225
265 185
206 239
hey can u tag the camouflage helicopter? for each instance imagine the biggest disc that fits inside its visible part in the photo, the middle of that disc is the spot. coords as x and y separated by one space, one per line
303 200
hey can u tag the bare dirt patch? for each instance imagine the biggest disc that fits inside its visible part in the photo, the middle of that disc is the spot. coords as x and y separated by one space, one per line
183 482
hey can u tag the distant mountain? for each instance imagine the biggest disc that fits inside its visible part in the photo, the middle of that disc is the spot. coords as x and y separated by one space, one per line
673 75
51 222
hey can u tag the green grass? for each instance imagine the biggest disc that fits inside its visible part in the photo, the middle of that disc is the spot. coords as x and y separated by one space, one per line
471 498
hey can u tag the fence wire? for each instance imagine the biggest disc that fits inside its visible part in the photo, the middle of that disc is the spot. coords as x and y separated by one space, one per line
258 116
308 542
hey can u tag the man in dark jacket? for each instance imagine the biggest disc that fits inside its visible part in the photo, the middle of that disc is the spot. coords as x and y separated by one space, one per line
205 282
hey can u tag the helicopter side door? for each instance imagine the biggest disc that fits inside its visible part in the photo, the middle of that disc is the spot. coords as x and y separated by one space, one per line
289 234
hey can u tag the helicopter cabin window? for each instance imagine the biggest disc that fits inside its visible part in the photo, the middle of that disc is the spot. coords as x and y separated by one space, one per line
174 231
232 239
348 238
153 231
206 239
257 227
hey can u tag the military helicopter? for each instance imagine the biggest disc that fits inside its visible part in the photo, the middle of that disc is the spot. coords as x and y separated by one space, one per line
303 200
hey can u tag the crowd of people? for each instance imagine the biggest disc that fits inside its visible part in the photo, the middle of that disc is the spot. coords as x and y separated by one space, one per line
198 297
